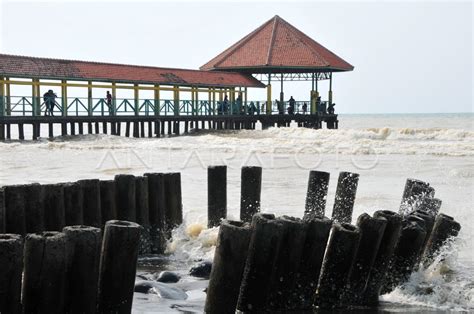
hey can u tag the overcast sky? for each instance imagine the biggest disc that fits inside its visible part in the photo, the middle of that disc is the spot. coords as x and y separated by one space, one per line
408 56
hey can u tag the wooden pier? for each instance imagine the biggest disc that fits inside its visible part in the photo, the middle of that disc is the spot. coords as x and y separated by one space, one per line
152 126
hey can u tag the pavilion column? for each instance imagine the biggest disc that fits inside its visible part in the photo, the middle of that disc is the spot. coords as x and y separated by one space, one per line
8 104
196 107
269 95
2 97
64 97
89 98
245 100
114 99
157 99
36 102
136 98
330 89
176 100
282 95
210 108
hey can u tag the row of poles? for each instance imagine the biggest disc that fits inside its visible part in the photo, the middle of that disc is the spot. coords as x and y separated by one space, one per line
261 262
267 263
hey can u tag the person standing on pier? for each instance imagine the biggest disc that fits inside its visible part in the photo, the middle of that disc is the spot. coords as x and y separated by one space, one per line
49 100
305 108
291 107
108 98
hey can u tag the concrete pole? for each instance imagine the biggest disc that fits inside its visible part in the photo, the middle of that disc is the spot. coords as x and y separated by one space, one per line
250 190
156 198
345 196
15 221
73 204
108 202
216 195
34 209
125 197
53 202
318 183
91 202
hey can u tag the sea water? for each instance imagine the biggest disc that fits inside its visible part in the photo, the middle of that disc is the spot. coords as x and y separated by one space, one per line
383 149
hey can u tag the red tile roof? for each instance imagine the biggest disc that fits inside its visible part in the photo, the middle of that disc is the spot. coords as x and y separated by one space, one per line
32 67
280 46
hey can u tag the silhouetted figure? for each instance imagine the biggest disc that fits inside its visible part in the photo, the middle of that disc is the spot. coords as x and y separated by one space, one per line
49 100
331 108
108 99
304 108
252 108
291 106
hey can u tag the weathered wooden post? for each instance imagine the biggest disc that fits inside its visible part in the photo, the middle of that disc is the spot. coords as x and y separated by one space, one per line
125 197
11 261
108 204
216 195
283 291
34 212
250 190
15 221
413 191
371 233
381 264
345 197
118 265
429 221
44 279
156 198
91 202
445 227
83 255
2 210
317 235
143 215
407 252
73 204
318 183
173 200
430 205
261 258
228 267
53 202
337 265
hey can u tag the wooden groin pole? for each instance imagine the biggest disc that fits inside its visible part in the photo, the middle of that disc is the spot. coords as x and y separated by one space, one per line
108 204
318 183
371 232
2 210
173 201
444 228
228 267
11 268
337 265
250 190
317 235
83 245
430 204
34 208
143 213
156 198
216 195
118 264
15 220
53 202
44 279
345 197
91 202
125 197
73 204
263 249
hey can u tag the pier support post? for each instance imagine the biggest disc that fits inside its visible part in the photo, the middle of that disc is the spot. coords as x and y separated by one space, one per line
216 195
337 265
250 190
83 254
228 267
44 279
125 197
318 183
118 266
345 196
91 202
73 204
11 261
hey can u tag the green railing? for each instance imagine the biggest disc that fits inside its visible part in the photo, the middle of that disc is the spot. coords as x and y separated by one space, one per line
76 106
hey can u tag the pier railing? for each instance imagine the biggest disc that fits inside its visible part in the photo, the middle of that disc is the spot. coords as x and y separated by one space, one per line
83 106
